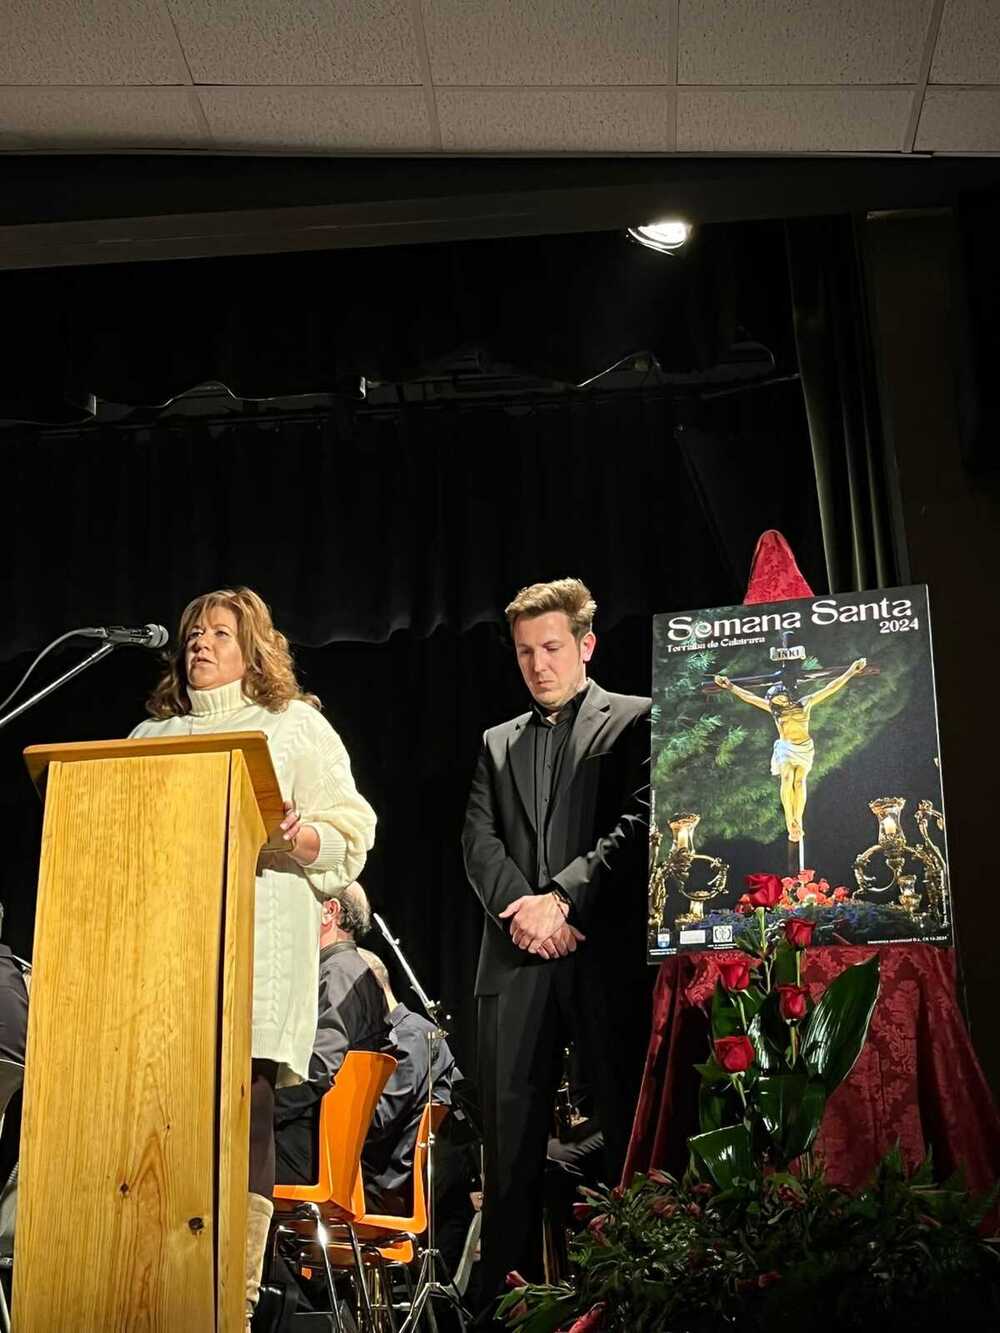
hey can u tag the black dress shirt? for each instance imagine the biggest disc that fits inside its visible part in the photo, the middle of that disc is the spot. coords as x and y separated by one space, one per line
551 732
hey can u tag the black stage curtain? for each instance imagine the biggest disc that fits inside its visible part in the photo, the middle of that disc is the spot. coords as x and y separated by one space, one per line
563 308
855 473
388 545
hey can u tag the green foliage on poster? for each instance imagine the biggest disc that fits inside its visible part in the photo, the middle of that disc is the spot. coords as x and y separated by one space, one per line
701 741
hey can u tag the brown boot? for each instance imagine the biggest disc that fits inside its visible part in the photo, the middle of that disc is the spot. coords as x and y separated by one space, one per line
259 1212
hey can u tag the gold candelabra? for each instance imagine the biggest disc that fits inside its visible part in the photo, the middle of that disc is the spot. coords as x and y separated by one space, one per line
895 850
676 868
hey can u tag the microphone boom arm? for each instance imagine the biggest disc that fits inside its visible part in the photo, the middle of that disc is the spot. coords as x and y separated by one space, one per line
39 695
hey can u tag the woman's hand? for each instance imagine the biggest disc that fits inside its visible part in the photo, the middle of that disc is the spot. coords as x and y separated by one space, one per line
302 839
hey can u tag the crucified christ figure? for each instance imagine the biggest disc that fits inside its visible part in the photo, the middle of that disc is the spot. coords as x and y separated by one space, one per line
794 750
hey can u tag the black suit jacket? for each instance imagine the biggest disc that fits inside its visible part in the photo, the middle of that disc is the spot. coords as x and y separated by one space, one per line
597 832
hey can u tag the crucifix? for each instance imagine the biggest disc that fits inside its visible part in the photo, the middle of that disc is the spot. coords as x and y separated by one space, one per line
791 711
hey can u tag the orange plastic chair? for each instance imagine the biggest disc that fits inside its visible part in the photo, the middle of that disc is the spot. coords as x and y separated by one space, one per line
386 1238
344 1119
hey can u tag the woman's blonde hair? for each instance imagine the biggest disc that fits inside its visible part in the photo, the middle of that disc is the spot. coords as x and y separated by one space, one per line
269 672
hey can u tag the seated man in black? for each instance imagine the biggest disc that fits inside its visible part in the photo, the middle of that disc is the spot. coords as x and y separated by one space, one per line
13 1006
353 1016
387 1160
13 1039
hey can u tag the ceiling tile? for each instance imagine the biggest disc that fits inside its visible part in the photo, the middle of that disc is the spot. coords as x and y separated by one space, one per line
539 120
960 120
516 42
968 44
97 42
324 119
791 120
262 42
100 118
801 41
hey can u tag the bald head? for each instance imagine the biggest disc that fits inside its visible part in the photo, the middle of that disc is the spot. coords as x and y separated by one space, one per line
347 915
381 974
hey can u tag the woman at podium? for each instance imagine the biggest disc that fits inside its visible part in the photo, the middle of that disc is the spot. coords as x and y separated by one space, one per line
232 671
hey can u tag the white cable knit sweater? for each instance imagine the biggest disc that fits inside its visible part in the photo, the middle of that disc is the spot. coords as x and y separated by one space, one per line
314 772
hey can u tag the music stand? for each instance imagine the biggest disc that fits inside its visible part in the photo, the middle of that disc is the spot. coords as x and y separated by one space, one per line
428 1284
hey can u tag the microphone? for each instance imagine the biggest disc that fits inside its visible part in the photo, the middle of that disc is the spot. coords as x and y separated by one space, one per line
142 636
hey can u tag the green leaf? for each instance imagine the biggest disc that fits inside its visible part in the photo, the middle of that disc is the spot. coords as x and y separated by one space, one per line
727 1019
712 1072
791 1107
725 1154
778 1097
784 965
716 1109
838 1025
769 1034
748 944
808 1120
751 1001
544 1318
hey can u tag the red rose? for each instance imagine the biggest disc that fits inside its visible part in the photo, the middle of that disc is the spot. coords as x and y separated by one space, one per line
582 1212
590 1321
703 1188
734 1054
596 1228
659 1177
735 974
765 890
514 1280
792 1002
799 932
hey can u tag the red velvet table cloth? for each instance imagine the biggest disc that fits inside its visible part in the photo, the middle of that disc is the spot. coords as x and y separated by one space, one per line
917 1079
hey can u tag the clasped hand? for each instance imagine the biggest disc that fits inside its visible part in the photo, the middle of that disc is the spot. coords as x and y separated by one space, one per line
538 924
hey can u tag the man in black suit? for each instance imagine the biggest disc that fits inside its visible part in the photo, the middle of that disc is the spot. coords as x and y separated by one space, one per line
556 848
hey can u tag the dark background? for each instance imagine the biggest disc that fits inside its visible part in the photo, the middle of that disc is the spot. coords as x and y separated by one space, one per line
388 556
388 543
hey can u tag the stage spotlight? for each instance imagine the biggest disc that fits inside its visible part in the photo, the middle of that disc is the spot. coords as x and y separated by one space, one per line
666 236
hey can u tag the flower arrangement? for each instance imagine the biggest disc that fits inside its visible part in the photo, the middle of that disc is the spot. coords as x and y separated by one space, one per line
803 889
753 1233
772 1251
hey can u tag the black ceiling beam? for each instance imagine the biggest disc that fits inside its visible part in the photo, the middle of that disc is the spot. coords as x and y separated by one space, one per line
71 210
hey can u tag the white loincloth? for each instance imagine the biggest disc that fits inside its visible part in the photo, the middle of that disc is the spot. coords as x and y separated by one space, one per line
799 753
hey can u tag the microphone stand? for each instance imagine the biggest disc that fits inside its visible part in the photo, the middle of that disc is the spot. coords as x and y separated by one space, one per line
428 1283
39 695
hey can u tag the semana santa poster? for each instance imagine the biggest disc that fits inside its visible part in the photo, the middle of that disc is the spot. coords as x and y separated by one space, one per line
797 739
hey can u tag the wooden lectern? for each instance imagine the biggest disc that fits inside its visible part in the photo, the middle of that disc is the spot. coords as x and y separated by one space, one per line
133 1177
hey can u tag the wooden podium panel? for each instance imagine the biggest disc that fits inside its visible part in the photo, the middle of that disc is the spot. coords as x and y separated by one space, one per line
251 744
132 1199
245 836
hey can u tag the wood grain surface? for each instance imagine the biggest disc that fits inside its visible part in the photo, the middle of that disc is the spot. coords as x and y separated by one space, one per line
246 833
117 1214
253 744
